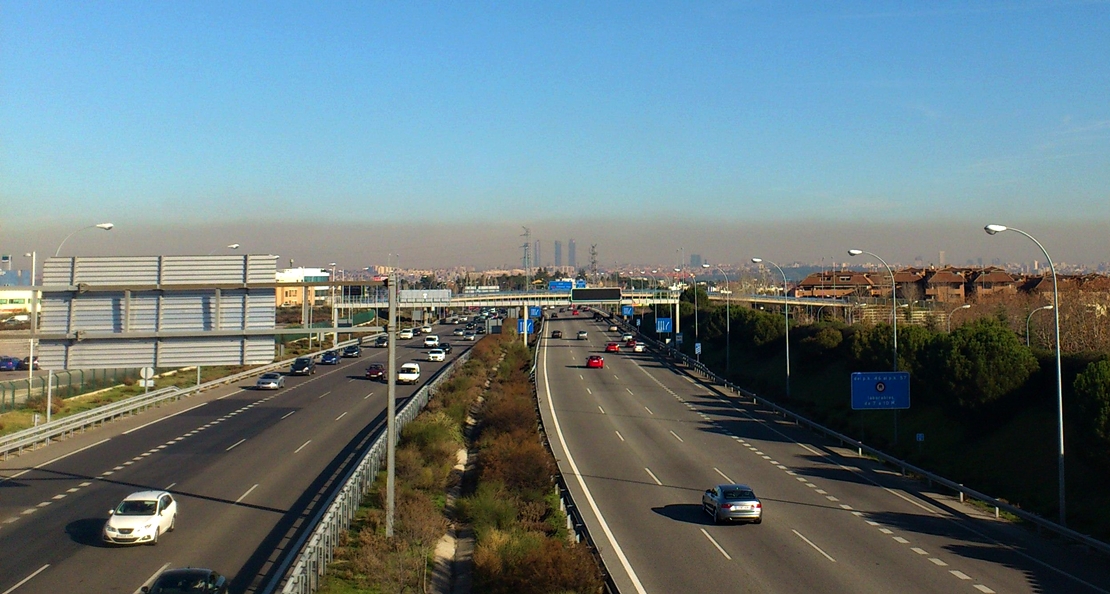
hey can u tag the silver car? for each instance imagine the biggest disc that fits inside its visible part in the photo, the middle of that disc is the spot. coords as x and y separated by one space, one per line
270 381
732 502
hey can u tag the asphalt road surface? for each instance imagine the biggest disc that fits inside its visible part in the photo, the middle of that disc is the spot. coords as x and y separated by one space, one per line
247 467
639 441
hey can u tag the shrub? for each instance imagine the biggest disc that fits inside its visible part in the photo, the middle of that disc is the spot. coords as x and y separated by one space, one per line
490 507
1092 391
524 562
518 461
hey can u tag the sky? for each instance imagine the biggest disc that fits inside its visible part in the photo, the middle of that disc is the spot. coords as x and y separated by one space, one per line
347 131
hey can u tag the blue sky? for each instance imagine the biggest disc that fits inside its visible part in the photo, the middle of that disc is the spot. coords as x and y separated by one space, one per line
175 113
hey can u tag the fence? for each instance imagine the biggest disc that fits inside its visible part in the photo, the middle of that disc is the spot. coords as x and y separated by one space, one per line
67 384
905 467
316 546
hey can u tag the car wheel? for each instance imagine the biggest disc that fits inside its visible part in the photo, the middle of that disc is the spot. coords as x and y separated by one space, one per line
716 518
154 541
173 523
758 520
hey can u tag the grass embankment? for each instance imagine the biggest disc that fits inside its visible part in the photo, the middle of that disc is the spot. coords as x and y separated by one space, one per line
521 541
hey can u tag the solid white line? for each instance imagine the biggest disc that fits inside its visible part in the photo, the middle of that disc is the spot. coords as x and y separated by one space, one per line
715 544
653 477
677 437
129 431
340 416
234 444
244 496
152 576
21 473
619 435
586 490
229 395
302 446
723 474
287 414
26 579
810 543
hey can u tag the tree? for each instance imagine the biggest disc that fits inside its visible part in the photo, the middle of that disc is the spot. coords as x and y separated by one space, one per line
1092 393
985 361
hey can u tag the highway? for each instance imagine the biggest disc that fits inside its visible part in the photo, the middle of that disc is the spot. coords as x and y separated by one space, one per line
639 441
246 466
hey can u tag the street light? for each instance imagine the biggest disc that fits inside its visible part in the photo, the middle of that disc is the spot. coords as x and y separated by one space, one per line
949 325
104 226
230 246
893 297
34 317
728 320
992 230
1030 317
786 309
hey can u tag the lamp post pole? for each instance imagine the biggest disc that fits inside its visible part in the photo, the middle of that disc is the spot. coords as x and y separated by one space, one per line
893 299
34 317
948 326
728 320
786 310
991 230
104 226
1030 317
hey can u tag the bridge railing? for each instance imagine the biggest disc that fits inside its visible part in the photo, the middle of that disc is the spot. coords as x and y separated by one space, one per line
905 467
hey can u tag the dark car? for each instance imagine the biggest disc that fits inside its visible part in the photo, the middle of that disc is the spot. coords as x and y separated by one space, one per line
329 358
353 351
190 579
556 334
445 347
480 330
732 502
376 371
303 366
27 361
381 342
9 364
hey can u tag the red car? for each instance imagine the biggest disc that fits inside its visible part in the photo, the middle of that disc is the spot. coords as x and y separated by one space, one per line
612 347
630 343
376 371
595 361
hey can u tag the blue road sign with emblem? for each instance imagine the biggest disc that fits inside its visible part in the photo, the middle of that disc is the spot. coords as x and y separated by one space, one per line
663 325
535 311
885 390
697 348
520 326
627 310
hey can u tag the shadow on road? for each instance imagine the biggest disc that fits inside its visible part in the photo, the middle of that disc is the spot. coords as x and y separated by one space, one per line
86 531
683 512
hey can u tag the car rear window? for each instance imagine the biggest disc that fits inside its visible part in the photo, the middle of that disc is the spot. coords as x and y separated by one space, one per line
739 494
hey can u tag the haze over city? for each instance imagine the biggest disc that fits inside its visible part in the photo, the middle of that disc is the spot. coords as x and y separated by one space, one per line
346 132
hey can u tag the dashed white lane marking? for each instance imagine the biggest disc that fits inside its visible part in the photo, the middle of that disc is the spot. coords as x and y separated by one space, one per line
716 545
845 506
589 391
649 410
601 409
938 562
302 446
28 511
366 397
10 520
324 394
232 446
653 477
170 486
677 437
244 495
886 531
26 579
629 391
615 377
619 435
59 496
810 543
725 476
917 550
900 540
48 462
44 504
983 589
580 377
822 492
341 416
287 415
129 431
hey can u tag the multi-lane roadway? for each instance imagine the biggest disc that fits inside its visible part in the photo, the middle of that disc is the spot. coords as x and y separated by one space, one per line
247 467
639 441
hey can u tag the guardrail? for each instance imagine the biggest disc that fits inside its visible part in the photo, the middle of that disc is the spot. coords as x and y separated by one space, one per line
316 546
67 426
575 522
905 467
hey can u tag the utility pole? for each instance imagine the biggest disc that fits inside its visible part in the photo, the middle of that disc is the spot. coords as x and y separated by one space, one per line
391 407
527 260
593 262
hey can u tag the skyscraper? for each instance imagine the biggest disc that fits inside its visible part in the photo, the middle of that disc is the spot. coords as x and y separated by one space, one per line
558 253
572 259
695 261
536 261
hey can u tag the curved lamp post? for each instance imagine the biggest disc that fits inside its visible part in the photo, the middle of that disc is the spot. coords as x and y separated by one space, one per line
1030 317
230 246
786 310
948 326
992 230
728 320
893 298
104 226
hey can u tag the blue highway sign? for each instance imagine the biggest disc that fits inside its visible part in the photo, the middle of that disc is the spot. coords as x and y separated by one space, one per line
886 390
663 325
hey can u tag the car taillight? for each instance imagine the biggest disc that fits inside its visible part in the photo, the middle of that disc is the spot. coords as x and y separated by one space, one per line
758 506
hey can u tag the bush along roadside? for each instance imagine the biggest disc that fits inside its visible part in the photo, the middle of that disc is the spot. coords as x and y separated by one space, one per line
509 500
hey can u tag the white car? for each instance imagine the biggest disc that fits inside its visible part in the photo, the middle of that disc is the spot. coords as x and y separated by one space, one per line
626 337
639 347
405 334
426 329
470 336
458 332
141 518
431 341
437 355
409 373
